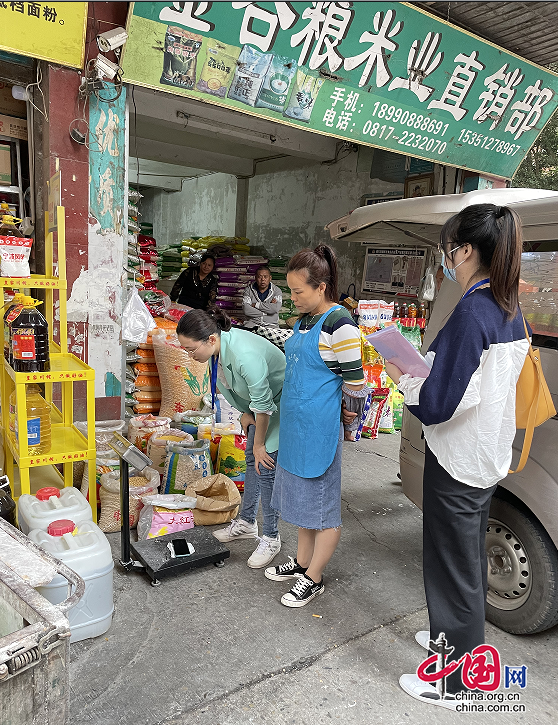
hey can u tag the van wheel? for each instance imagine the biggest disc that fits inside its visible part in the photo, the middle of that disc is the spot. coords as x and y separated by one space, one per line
522 571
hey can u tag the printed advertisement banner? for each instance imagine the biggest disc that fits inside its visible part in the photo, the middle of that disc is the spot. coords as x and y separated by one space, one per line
378 73
53 31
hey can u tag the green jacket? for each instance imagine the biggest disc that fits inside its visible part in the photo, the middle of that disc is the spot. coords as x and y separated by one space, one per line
255 371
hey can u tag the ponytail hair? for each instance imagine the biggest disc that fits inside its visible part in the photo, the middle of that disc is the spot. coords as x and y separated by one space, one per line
320 265
495 232
198 325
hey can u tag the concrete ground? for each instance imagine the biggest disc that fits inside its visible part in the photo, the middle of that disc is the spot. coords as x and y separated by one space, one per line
215 646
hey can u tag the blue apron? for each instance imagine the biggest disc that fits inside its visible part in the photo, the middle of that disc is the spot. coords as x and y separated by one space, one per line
310 406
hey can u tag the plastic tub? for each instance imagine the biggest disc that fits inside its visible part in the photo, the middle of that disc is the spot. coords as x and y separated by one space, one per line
49 504
86 550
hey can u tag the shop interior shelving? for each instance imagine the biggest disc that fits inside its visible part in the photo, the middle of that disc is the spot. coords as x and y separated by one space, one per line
68 444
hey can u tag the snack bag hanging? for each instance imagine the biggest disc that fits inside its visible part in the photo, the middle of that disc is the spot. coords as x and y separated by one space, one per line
218 68
277 82
249 75
181 51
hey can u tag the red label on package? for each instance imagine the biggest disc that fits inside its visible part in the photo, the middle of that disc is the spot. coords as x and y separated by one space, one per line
23 344
13 313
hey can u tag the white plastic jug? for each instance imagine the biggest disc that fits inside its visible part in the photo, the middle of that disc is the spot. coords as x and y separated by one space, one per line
50 504
86 550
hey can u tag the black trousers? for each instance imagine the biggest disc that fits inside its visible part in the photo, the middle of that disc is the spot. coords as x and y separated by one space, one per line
455 518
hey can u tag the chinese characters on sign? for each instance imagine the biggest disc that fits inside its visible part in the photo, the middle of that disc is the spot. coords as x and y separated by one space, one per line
386 74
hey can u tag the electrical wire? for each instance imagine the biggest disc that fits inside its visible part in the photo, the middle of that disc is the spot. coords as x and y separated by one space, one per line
38 84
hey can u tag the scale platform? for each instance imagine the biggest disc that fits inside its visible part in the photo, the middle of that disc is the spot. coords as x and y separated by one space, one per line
156 559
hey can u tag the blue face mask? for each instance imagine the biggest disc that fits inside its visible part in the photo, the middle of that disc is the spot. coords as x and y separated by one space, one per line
450 273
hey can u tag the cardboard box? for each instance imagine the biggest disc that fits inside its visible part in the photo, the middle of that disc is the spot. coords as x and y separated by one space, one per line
13 127
5 165
10 105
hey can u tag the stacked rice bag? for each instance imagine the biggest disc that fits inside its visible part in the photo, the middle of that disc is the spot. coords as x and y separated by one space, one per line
235 273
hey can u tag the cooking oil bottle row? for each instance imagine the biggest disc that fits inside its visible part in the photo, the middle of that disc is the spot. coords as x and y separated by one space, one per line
26 349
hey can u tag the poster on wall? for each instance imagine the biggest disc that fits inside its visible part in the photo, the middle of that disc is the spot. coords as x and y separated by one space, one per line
393 270
53 31
385 74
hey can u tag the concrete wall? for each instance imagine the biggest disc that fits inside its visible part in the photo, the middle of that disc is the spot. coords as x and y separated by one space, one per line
288 208
205 206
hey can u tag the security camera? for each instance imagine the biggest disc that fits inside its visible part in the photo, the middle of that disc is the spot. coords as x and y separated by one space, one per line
111 40
105 68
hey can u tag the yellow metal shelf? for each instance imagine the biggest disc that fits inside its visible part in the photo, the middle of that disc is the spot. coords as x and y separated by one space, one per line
35 281
68 445
64 367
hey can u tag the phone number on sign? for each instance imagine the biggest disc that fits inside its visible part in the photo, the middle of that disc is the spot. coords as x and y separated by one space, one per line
490 143
411 120
415 140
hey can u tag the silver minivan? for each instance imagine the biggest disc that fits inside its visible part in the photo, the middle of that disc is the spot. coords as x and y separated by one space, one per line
522 533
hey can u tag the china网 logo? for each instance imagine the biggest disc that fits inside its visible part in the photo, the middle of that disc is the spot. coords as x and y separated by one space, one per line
481 669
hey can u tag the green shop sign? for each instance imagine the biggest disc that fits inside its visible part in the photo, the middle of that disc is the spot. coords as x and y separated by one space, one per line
378 73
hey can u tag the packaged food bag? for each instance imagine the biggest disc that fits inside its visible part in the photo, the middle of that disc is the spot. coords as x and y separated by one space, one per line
385 312
184 381
165 514
386 420
231 460
303 97
157 446
249 75
356 401
14 256
412 334
217 500
145 482
179 63
142 427
218 69
185 465
369 313
277 82
398 405
377 402
213 432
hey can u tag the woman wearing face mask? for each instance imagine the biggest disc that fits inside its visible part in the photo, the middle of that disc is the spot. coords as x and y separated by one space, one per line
196 287
323 356
249 373
467 408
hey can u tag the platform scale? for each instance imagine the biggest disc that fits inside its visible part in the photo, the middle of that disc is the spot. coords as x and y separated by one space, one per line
158 557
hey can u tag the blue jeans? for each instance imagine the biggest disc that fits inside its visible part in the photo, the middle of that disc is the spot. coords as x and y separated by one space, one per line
256 487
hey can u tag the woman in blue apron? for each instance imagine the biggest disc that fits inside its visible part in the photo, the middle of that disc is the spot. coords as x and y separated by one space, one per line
323 358
248 371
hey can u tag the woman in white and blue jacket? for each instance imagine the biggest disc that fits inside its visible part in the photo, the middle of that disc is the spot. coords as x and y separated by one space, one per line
467 408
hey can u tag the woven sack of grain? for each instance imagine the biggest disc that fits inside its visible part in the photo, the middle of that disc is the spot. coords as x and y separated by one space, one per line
184 381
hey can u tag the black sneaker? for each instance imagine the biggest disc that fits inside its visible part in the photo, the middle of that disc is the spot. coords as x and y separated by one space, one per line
303 591
290 570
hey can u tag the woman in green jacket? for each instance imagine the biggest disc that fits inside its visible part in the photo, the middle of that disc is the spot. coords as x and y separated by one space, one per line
250 372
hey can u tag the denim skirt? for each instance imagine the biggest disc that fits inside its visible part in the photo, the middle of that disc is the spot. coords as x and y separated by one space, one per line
311 503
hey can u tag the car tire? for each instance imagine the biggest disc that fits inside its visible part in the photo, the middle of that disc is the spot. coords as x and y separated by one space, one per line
522 571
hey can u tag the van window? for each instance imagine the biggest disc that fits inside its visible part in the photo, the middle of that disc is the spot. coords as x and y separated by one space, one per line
538 294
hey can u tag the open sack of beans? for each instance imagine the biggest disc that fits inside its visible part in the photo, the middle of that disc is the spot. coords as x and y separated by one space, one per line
145 483
184 381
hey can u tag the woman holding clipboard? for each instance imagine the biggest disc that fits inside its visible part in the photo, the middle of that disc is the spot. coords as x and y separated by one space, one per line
467 408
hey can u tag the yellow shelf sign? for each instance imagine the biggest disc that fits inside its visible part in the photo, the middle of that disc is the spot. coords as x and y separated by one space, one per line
53 31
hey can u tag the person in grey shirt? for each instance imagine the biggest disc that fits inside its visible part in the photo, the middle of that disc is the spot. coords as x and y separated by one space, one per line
262 301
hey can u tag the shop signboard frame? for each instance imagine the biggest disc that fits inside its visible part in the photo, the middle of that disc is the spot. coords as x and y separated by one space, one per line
388 75
394 270
51 31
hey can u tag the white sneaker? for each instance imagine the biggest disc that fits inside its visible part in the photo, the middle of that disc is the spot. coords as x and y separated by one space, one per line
267 550
423 638
237 529
426 692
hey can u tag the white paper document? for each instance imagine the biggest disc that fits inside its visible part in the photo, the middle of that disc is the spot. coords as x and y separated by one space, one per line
396 349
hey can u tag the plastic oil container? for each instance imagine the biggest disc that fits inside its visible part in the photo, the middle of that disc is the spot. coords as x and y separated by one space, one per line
29 339
50 504
86 550
16 301
38 420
